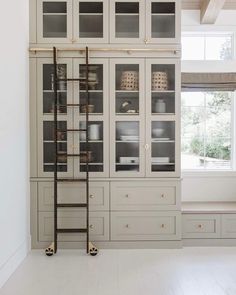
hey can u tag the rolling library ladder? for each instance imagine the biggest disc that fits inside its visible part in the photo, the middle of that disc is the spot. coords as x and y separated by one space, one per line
91 249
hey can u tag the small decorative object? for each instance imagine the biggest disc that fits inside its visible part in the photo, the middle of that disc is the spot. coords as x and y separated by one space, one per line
86 155
60 135
61 74
61 157
94 132
160 160
129 160
92 80
126 107
90 108
157 132
129 80
159 81
160 106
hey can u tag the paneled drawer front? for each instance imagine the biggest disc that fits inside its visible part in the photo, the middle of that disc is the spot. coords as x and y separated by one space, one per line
74 193
145 226
145 196
99 225
201 226
228 226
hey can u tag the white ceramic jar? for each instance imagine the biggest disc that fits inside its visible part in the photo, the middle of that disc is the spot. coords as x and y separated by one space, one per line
160 106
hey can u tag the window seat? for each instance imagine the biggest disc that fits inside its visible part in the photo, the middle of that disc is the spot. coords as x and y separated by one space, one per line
208 207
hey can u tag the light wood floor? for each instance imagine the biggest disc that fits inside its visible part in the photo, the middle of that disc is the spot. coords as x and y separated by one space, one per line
188 271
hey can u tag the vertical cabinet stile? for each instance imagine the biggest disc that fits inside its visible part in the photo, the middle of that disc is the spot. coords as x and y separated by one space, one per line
98 118
45 110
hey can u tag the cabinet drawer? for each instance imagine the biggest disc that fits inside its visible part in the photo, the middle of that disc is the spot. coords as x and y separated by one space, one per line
145 196
228 226
145 226
201 226
99 225
74 193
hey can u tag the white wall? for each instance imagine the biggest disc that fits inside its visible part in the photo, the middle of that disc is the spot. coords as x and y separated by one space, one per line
14 150
212 186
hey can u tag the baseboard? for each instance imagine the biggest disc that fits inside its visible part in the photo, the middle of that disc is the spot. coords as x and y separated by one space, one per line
14 261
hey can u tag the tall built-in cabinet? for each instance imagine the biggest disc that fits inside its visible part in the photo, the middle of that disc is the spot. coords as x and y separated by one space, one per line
134 120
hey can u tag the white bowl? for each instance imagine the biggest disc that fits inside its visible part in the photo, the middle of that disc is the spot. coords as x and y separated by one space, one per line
157 132
128 131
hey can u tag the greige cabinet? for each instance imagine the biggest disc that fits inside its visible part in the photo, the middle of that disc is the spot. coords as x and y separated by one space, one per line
107 21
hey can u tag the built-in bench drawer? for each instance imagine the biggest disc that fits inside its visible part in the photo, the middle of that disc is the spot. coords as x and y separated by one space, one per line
201 226
74 193
228 226
145 226
151 195
99 225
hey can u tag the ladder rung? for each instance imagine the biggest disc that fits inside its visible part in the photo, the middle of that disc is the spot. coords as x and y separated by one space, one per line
71 130
71 180
75 205
72 155
75 79
72 230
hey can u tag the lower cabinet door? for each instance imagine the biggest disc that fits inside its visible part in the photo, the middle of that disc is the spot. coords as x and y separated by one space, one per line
201 226
147 226
229 226
98 227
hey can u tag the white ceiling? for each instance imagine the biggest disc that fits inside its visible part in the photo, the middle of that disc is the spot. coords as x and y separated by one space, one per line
196 4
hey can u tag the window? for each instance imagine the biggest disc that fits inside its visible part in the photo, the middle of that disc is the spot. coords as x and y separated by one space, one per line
207 130
207 46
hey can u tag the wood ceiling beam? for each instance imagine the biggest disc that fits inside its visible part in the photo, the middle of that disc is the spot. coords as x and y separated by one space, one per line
210 10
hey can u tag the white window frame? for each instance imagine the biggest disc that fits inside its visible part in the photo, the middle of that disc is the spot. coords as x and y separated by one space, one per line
215 66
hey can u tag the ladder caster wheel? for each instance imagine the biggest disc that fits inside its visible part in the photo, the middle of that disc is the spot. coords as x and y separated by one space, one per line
93 251
50 250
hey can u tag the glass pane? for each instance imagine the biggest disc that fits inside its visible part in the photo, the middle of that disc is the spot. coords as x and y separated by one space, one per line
48 89
127 20
163 20
192 156
91 19
127 146
127 89
95 149
54 19
193 48
48 146
95 89
218 47
163 146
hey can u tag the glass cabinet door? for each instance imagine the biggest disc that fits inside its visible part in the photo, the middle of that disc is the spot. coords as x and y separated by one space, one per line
54 21
98 118
162 119
91 21
46 115
127 111
127 21
163 21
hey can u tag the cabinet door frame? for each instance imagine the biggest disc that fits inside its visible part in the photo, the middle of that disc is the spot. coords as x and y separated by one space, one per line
131 118
148 18
155 117
140 39
103 118
76 38
40 38
49 117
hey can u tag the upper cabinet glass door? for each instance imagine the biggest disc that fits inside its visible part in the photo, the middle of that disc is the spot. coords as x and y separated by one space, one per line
126 21
98 118
163 21
45 105
162 121
54 21
127 111
91 21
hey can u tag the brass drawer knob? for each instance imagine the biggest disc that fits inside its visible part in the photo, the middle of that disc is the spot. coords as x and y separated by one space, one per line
127 195
127 226
91 196
163 196
91 226
163 225
200 226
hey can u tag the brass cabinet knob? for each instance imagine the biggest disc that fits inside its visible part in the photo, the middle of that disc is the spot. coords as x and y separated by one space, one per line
146 146
200 226
91 226
163 195
91 196
127 195
146 40
127 226
163 225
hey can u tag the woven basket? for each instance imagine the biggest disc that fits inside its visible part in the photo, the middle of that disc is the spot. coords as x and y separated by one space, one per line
129 80
159 81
